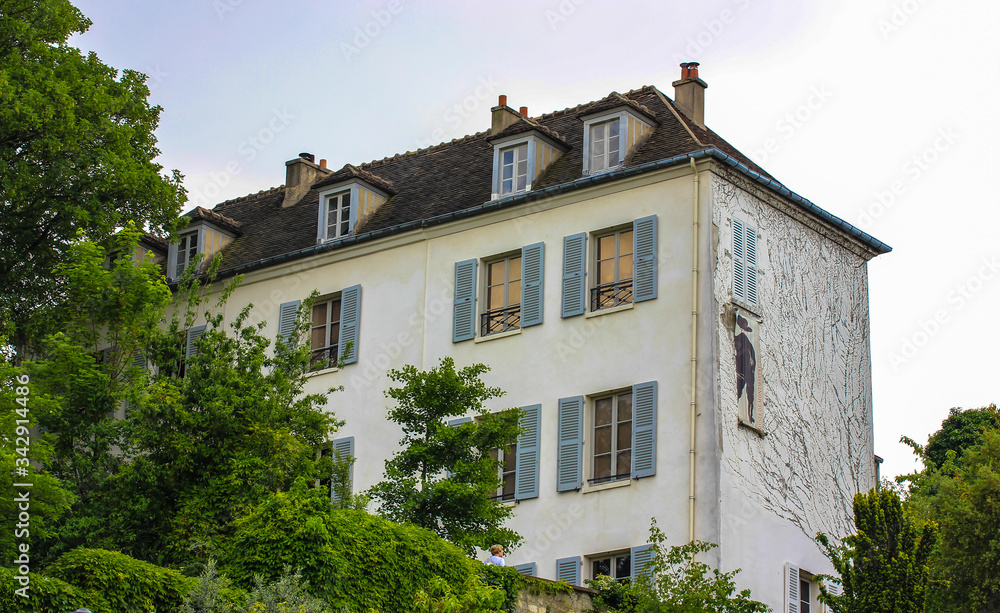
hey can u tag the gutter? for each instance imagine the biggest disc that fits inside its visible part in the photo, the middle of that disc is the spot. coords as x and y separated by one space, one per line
876 245
694 352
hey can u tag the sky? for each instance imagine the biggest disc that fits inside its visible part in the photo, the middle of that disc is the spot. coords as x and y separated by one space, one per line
879 111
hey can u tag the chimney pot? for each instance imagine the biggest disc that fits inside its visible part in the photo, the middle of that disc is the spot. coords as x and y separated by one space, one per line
322 162
503 100
524 111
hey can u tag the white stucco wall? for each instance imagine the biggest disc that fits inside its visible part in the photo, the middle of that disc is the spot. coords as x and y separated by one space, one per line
780 490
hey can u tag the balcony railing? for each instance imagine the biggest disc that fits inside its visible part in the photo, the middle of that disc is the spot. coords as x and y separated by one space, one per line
610 478
501 320
324 358
611 295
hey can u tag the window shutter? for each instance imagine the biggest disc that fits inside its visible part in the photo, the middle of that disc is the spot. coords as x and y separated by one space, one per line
286 318
570 461
193 334
342 448
350 319
532 284
453 424
791 588
526 484
138 359
644 409
528 570
750 239
568 570
574 286
645 278
739 261
641 557
465 301
832 588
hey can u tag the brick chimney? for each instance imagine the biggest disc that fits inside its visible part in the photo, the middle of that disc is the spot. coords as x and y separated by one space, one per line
689 93
503 116
300 174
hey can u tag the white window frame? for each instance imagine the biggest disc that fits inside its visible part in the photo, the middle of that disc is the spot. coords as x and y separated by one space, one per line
332 360
590 423
613 556
515 149
510 143
354 187
622 115
484 290
595 238
501 456
173 253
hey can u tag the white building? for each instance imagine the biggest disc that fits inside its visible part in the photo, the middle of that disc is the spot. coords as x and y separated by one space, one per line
690 338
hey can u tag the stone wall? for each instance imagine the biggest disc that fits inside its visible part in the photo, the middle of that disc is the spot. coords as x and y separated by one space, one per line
536 601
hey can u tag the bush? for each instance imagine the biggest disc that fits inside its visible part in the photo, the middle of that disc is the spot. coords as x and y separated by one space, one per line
45 595
120 584
351 559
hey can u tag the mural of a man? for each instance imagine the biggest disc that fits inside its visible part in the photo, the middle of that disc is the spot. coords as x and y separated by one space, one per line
746 365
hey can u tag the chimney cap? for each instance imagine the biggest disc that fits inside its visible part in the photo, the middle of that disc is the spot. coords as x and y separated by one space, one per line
308 156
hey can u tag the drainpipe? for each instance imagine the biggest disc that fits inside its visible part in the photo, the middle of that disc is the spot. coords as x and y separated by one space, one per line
694 352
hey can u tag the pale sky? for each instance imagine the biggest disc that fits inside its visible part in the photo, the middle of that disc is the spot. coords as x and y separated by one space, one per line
879 111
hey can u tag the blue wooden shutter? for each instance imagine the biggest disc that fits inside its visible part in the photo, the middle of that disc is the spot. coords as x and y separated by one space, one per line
641 556
343 448
350 320
532 284
568 570
193 334
791 588
644 429
574 284
526 481
645 278
739 261
528 570
465 301
570 460
287 313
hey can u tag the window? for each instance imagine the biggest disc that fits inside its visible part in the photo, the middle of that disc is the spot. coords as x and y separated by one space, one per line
744 262
804 596
503 296
605 150
514 169
325 335
187 249
802 590
616 566
511 295
612 438
623 266
614 270
508 471
338 215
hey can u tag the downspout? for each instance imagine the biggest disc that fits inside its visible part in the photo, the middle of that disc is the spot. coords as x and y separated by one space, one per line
694 352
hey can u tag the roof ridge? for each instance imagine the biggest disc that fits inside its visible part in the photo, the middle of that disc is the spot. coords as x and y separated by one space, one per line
246 197
391 158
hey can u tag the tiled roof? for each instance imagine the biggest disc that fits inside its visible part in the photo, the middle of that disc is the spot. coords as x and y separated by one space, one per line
453 178
524 125
216 218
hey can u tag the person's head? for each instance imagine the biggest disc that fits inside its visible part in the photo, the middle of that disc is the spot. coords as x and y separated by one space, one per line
497 550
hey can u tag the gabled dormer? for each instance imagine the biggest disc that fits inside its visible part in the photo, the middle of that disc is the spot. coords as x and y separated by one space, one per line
208 232
611 130
347 199
522 150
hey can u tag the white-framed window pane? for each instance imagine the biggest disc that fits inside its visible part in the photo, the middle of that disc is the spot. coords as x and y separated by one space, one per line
325 333
503 296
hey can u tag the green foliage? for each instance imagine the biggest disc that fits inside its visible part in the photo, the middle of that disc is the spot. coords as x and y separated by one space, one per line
674 582
478 597
883 567
44 595
613 595
963 497
289 594
507 580
960 431
77 153
212 594
350 558
444 478
119 583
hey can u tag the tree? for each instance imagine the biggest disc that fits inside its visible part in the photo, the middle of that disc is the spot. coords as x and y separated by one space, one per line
76 154
961 430
444 478
883 567
963 497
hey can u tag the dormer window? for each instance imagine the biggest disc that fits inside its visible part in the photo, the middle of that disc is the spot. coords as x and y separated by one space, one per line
208 233
187 249
520 159
338 215
609 136
513 169
345 207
